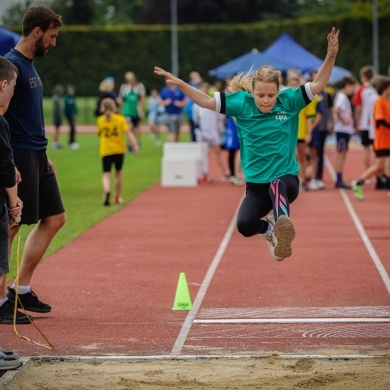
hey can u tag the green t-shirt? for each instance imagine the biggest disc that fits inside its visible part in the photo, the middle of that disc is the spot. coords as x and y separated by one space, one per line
130 103
268 141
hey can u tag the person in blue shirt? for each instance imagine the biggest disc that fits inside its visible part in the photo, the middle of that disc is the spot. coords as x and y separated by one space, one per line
267 121
173 100
42 203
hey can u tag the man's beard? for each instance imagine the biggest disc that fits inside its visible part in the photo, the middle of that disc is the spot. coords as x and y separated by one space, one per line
40 49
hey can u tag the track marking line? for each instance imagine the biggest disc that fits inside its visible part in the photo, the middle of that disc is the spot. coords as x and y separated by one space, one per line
289 320
296 312
181 338
359 227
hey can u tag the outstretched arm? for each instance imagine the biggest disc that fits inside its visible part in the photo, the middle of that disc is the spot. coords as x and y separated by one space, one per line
196 95
322 78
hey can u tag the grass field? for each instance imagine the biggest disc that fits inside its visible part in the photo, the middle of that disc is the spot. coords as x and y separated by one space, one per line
79 177
85 105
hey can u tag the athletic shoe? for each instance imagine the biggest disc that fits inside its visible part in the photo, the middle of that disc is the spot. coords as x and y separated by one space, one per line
118 200
8 354
313 185
74 146
9 363
343 185
206 179
236 181
106 199
320 184
29 301
357 190
304 187
284 233
7 315
380 184
271 239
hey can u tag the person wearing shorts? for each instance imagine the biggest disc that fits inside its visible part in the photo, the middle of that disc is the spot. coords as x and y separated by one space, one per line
173 99
382 135
208 129
111 128
343 126
10 204
38 187
363 110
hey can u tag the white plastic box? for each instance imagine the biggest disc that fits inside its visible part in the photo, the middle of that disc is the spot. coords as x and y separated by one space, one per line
183 163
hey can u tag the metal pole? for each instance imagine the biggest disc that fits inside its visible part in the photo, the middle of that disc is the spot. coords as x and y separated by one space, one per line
375 39
174 42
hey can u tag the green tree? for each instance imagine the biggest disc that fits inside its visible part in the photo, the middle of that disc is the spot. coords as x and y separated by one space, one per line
113 12
218 11
76 12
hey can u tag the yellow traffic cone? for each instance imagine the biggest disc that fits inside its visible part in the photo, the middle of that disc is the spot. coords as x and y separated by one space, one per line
182 297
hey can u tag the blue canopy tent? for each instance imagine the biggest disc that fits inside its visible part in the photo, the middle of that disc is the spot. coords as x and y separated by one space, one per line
285 48
244 63
8 40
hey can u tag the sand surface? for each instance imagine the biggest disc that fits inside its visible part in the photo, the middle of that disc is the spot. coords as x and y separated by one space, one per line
220 374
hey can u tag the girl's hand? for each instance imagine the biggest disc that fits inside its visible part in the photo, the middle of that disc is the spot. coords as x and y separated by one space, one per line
170 78
333 42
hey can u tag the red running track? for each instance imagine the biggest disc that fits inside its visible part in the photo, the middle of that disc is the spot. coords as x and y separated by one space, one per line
112 288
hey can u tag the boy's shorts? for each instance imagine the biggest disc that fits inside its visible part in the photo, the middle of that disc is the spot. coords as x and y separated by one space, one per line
342 141
365 137
38 189
4 238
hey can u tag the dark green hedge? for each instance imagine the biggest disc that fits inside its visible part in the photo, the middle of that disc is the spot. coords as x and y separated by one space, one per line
85 55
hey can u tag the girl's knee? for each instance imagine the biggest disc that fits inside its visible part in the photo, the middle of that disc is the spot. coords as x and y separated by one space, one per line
243 228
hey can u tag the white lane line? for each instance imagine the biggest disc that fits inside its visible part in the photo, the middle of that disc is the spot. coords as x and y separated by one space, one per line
181 338
290 320
370 248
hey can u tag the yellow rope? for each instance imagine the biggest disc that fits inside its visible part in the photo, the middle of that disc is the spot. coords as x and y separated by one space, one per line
17 299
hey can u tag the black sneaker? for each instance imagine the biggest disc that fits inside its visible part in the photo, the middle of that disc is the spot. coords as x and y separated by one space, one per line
7 315
106 199
342 185
29 301
380 184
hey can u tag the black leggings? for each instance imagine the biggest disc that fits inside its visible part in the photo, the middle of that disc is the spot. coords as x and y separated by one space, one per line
260 199
232 161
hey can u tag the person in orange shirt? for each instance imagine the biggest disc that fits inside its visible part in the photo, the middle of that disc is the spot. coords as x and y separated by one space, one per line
382 134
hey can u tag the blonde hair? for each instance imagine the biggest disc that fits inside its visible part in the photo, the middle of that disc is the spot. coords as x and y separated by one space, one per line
106 86
107 106
246 81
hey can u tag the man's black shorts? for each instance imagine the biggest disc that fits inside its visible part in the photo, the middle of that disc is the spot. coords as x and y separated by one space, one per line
38 189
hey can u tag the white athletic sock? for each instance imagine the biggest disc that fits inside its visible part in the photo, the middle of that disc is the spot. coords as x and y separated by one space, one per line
2 301
270 228
21 289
